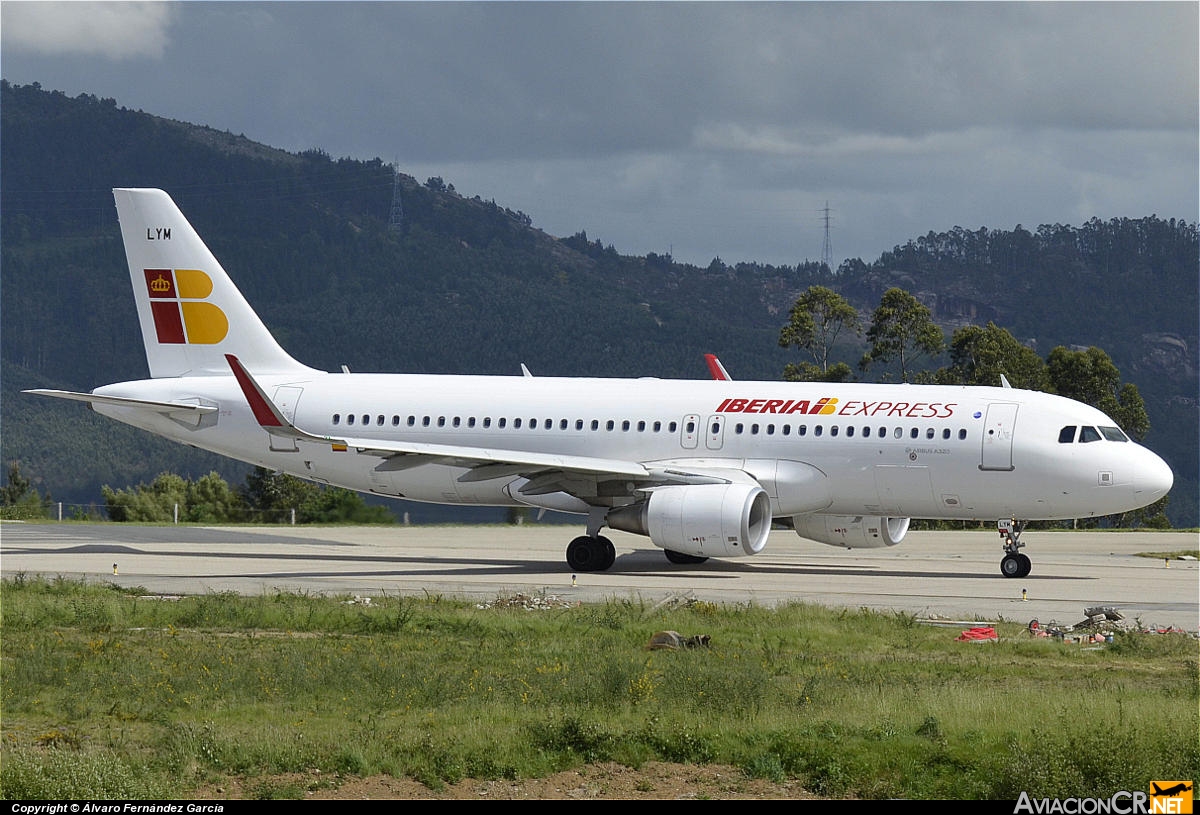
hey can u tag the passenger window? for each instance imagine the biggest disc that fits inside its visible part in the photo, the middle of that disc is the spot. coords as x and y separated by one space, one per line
770 430
441 421
883 432
516 424
579 424
754 429
850 432
817 430
962 434
366 419
395 421
914 433
833 431
487 421
625 425
691 427
471 422
501 422
595 424
412 420
802 430
787 430
349 418
337 418
610 424
929 433
946 433
738 428
1087 434
642 427
672 427
457 421
562 424
716 428
1067 434
379 420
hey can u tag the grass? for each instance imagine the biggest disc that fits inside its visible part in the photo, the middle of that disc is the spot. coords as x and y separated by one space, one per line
108 693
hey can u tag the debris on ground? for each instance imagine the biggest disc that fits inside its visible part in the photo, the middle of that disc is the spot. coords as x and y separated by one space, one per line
673 641
544 602
979 634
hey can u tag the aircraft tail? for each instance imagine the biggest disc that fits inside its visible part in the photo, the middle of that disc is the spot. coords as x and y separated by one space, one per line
191 313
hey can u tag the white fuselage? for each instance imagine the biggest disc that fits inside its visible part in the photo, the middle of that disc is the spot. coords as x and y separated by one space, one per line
912 450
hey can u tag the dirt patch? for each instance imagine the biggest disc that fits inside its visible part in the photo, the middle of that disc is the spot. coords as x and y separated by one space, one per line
661 781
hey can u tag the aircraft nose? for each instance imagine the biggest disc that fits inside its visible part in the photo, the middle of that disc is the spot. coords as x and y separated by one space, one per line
1152 477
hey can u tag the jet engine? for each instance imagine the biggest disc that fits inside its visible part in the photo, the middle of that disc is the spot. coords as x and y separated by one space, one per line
852 531
703 520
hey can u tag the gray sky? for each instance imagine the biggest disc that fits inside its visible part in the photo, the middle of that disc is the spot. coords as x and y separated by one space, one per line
702 129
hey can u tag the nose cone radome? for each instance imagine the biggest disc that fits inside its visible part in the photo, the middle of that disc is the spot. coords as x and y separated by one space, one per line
1152 478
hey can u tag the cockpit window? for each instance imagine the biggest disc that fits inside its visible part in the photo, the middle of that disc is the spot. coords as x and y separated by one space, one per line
1113 434
1087 434
1067 434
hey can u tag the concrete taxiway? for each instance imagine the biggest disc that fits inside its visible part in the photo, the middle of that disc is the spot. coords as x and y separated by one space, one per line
948 575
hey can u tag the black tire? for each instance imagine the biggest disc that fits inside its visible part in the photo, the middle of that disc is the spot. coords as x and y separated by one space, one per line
608 553
586 554
1026 565
1011 566
682 559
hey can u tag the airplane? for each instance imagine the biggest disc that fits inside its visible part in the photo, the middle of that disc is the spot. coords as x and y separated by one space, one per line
1170 792
703 468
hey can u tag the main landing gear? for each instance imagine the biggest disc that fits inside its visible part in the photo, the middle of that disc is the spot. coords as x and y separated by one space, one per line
1014 564
592 552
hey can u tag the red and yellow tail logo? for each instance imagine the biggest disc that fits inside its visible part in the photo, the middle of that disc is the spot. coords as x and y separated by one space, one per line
180 314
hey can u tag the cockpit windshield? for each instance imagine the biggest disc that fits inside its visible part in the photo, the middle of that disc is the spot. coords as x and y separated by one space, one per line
1113 434
1087 433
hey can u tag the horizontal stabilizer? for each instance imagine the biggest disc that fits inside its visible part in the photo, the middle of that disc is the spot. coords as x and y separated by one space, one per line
166 408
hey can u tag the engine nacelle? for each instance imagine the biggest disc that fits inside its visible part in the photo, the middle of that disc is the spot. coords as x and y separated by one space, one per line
852 531
705 520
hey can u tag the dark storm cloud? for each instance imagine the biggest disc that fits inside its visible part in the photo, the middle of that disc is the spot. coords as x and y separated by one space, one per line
699 128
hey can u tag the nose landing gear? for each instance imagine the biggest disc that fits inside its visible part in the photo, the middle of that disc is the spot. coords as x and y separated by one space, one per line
1014 564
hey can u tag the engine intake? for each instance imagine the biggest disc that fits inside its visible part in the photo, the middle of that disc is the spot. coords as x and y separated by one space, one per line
705 520
852 531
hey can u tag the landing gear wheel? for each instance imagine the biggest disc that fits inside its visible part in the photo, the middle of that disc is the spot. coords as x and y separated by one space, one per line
587 554
1026 565
1010 566
682 559
1015 565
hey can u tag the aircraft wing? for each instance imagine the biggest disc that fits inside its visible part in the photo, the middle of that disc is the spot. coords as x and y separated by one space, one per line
173 409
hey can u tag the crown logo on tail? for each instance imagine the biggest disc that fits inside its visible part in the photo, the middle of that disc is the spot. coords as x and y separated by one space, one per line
181 315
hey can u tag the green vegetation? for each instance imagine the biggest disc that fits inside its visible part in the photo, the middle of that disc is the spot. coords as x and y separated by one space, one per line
109 693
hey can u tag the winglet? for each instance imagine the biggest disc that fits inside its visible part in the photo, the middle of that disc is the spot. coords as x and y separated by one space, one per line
716 368
264 410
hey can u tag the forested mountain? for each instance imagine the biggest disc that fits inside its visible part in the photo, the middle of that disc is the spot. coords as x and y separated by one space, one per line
458 284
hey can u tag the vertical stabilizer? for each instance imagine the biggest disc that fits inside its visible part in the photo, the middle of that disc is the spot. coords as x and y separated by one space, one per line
191 313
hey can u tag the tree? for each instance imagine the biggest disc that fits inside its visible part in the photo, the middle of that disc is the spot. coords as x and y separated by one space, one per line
979 356
817 317
18 498
902 329
1091 377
